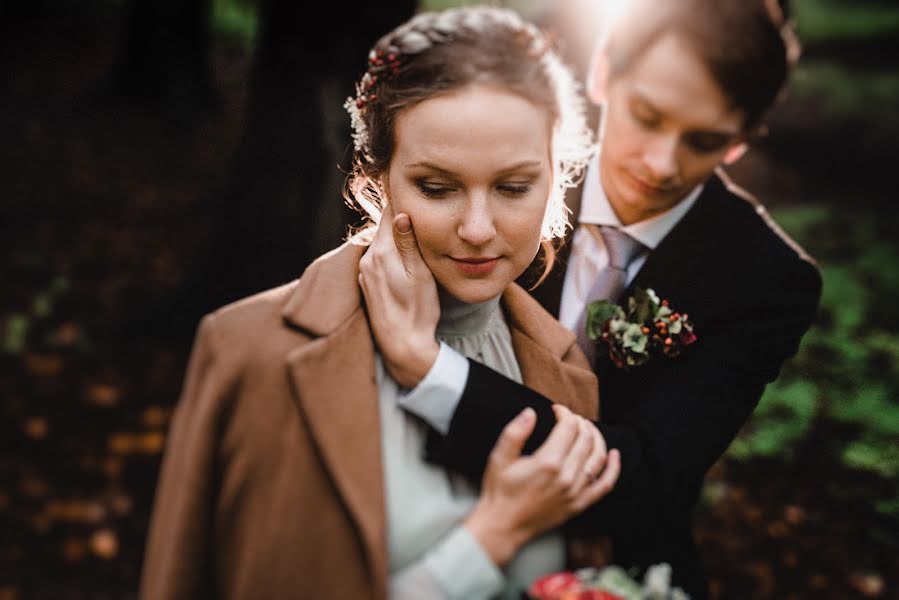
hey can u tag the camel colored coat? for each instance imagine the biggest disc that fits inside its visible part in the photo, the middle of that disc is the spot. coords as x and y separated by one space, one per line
271 483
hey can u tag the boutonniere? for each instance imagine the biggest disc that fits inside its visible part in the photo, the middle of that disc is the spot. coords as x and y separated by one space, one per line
648 328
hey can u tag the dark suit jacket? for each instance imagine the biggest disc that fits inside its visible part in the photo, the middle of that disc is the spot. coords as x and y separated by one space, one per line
751 293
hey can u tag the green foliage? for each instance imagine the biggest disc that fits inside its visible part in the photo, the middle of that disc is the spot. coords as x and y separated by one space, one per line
23 330
871 455
847 368
826 20
835 91
784 415
871 407
16 333
888 508
236 18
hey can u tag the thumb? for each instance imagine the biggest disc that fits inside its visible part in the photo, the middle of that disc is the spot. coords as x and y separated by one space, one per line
511 440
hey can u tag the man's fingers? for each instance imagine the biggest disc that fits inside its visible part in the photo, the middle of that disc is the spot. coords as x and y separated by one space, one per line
406 244
383 241
603 484
402 224
511 440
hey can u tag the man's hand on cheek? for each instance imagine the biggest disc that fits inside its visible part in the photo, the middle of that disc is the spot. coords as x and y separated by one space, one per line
401 298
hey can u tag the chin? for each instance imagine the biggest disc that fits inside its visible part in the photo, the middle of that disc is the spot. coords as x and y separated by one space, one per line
473 292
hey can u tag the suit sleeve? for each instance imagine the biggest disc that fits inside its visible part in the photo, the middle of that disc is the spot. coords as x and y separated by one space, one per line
176 562
673 432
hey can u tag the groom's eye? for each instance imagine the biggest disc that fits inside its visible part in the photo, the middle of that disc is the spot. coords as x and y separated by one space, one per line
706 143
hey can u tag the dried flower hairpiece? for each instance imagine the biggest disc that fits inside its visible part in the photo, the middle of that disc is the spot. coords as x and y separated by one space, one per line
381 65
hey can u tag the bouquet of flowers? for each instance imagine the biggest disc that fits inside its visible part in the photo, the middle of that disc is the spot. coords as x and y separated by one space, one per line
609 583
649 327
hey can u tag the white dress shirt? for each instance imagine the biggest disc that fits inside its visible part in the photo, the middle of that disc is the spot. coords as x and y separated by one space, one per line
588 251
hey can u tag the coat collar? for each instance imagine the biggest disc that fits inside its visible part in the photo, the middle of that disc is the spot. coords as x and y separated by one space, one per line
334 382
328 292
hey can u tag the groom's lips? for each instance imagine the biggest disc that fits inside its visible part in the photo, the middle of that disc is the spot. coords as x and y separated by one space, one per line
476 265
645 187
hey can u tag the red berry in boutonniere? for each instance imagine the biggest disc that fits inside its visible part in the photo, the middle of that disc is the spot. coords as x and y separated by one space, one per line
647 328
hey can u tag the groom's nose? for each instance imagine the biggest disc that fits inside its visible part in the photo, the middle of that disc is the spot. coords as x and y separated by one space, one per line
660 157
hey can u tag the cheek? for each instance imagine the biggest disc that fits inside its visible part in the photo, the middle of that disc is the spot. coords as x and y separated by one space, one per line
697 169
524 229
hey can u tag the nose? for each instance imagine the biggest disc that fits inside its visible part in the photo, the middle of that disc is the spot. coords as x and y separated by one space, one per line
476 225
660 158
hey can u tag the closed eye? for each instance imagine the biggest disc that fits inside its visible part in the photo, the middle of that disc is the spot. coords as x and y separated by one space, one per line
706 143
433 190
514 189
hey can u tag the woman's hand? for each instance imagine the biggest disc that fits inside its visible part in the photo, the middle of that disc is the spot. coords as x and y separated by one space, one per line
523 496
401 298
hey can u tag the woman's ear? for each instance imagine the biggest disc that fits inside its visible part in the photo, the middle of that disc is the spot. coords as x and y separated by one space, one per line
598 75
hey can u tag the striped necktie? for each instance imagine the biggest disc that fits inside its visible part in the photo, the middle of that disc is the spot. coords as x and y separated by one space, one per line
611 279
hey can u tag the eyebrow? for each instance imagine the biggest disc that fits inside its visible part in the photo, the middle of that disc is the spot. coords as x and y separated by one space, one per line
643 99
525 164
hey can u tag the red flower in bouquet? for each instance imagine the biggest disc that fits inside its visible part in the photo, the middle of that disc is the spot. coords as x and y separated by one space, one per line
608 583
552 586
567 586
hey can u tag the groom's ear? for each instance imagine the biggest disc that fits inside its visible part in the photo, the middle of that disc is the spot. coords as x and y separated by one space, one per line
598 75
735 152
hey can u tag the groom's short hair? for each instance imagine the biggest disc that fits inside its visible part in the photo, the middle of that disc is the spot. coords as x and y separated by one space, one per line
747 45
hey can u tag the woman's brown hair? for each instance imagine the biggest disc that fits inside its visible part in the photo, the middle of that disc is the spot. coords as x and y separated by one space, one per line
436 53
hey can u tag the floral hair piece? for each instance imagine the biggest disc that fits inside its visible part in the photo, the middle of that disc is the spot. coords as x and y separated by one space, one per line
381 66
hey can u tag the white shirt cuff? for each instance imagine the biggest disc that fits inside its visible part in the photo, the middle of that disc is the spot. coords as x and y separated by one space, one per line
436 397
463 569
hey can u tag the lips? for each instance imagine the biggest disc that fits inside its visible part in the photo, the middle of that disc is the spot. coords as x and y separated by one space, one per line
646 188
476 265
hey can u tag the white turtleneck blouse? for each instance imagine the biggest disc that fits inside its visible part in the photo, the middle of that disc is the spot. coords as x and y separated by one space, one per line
431 553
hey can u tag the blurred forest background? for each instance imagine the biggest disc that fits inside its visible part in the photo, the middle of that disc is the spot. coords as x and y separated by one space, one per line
161 157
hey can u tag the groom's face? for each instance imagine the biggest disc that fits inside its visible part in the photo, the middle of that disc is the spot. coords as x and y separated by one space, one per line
666 126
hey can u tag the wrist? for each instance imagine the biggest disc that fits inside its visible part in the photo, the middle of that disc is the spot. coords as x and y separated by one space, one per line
499 540
409 366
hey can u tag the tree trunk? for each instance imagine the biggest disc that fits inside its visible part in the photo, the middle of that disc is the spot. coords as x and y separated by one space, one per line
282 205
164 58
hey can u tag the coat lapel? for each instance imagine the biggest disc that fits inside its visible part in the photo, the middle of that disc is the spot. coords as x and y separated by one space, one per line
540 343
675 261
334 384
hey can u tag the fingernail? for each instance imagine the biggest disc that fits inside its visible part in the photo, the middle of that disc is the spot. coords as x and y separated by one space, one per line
526 415
403 223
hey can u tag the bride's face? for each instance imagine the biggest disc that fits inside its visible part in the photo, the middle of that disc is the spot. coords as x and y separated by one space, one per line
473 171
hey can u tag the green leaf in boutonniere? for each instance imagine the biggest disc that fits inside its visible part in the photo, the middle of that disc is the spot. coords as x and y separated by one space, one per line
645 304
599 313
